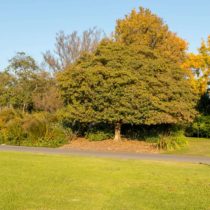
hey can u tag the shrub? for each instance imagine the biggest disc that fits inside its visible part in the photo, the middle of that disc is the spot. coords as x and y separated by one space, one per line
171 142
55 136
99 132
14 133
11 131
6 115
165 136
98 135
200 127
175 140
43 130
37 129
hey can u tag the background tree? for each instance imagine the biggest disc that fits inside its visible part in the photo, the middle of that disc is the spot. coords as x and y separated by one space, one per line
126 84
49 99
24 69
199 66
68 48
7 89
32 87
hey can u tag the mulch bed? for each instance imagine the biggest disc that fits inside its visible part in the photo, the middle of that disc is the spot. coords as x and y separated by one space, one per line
111 146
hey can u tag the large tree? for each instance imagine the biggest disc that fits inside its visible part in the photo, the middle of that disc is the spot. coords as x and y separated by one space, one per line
123 83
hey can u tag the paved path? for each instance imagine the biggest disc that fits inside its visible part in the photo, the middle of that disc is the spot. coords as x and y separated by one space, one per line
119 155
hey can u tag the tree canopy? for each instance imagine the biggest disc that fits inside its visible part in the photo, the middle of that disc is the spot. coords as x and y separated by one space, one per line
147 29
125 84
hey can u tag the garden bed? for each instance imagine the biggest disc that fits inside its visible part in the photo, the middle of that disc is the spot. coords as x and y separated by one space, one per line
110 145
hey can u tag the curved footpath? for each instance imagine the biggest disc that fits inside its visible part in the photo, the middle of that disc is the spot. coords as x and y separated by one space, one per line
119 155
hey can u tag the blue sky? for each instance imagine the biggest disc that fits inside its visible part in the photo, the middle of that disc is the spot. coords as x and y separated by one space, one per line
31 25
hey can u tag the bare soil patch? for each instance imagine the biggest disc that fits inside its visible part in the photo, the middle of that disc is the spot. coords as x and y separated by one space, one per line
125 145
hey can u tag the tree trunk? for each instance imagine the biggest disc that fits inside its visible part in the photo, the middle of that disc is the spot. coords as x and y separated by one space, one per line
24 107
117 136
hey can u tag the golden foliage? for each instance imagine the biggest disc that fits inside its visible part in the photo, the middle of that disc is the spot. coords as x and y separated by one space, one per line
147 29
199 65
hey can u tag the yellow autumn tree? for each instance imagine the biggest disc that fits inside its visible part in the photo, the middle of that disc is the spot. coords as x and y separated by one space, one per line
199 65
143 28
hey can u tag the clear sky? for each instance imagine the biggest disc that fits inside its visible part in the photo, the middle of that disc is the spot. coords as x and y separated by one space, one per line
31 25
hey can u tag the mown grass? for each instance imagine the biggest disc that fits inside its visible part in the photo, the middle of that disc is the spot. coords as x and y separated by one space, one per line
195 146
52 182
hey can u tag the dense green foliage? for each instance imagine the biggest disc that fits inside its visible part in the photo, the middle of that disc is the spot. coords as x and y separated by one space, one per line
98 135
127 85
99 132
135 78
200 127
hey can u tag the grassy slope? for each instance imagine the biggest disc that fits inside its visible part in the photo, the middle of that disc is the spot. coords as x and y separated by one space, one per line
29 182
196 146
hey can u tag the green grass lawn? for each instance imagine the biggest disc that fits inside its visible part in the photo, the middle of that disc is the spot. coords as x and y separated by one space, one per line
196 146
51 182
